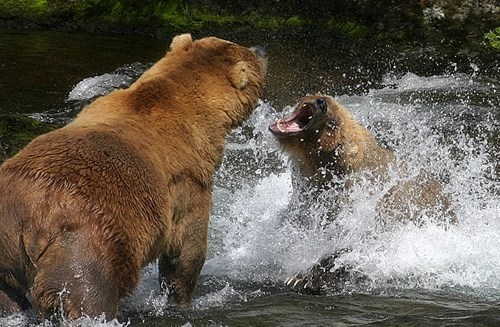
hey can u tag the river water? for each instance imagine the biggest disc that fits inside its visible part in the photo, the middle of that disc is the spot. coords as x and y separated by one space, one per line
445 121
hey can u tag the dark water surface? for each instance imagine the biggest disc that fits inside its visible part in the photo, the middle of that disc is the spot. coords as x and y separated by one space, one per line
39 69
446 121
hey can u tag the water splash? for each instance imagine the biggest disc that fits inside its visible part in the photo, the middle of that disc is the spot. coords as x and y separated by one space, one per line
29 320
430 124
92 87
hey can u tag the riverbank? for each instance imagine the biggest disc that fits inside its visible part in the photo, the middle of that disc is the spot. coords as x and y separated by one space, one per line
402 31
462 24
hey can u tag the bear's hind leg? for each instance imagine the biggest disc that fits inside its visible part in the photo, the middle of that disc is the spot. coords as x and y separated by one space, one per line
71 280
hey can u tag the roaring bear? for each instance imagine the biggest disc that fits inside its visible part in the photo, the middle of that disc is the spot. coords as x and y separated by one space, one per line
331 151
84 208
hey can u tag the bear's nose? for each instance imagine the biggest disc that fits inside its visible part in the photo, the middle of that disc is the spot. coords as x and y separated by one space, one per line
259 51
321 104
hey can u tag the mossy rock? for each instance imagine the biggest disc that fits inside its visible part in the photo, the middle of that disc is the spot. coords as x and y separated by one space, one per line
16 131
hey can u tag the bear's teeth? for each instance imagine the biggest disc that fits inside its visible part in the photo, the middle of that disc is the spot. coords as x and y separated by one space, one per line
278 124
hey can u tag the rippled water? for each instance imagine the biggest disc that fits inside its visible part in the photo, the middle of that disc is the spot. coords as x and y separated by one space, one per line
429 276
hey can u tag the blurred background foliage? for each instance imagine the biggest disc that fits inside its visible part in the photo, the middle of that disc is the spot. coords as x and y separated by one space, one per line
456 22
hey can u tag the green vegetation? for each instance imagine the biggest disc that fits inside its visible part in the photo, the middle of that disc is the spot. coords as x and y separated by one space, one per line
42 12
355 20
133 16
174 14
130 14
494 38
35 9
351 28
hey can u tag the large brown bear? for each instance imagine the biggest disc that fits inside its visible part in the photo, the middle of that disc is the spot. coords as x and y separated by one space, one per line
84 208
331 151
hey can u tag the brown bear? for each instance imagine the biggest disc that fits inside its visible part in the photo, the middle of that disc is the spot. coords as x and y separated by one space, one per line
85 207
331 151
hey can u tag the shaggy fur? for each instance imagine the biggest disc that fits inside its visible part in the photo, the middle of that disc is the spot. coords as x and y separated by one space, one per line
84 208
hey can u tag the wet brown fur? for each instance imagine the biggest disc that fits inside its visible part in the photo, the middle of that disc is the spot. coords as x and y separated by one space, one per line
84 208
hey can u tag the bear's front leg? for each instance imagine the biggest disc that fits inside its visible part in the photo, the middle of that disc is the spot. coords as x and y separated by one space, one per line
180 268
12 300
178 275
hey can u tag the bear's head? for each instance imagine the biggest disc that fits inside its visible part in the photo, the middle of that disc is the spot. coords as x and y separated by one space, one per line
320 130
221 73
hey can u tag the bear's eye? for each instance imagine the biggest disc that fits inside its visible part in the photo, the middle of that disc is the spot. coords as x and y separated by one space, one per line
321 103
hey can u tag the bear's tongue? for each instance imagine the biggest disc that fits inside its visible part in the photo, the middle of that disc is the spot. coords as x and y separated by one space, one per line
294 124
286 126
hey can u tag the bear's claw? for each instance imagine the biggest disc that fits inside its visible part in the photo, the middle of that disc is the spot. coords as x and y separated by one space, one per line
323 276
297 283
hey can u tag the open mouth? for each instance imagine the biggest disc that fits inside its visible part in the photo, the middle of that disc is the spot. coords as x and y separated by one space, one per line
296 123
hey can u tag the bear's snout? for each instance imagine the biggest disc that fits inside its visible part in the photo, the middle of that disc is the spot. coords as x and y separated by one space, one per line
261 55
322 105
259 51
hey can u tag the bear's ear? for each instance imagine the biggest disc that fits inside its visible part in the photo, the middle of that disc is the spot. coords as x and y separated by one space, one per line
239 75
182 41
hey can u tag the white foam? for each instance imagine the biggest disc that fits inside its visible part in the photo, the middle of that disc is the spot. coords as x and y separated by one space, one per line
100 85
414 82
